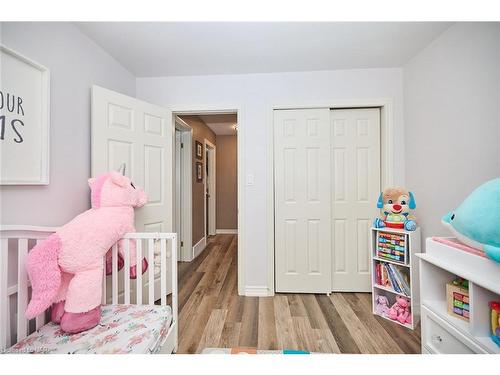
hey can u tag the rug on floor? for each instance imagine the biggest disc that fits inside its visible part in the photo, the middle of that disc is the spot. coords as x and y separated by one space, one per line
250 351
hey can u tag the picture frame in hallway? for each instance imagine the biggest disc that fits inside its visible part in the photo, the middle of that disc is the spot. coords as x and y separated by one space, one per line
199 150
199 171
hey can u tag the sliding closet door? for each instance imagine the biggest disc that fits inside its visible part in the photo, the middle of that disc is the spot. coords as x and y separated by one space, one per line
302 200
355 187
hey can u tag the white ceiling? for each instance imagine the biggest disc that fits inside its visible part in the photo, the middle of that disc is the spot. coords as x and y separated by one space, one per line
222 124
149 49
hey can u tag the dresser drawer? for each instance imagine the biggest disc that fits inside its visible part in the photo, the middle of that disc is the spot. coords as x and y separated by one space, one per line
441 338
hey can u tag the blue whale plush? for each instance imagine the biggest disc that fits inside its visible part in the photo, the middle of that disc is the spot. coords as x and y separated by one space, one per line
476 222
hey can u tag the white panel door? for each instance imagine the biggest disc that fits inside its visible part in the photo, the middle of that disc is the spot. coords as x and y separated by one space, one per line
128 130
302 200
355 188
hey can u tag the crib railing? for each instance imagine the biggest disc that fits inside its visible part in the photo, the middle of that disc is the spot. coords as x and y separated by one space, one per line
15 290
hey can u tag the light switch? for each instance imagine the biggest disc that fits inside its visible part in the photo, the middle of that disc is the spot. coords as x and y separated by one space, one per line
250 180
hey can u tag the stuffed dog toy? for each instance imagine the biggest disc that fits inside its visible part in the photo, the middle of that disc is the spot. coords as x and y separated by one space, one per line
66 269
395 205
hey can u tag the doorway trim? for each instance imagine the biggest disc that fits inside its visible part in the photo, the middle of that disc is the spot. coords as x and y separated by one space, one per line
386 158
187 191
212 166
197 109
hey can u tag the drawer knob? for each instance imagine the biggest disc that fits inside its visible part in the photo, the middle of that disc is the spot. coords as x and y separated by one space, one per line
437 338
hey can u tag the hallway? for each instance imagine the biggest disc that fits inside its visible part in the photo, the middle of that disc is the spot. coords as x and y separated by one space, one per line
211 314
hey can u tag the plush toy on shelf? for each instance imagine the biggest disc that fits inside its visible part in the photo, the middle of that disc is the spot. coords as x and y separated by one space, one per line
395 205
66 269
495 322
400 311
475 221
382 307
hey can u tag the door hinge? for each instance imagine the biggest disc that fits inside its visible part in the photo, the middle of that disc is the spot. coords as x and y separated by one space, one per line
182 243
182 145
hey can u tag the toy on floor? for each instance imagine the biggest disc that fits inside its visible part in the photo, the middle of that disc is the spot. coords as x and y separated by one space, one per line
400 311
475 221
395 205
457 297
495 322
382 307
66 269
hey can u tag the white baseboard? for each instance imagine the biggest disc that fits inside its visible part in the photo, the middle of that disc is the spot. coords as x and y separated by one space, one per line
199 247
257 291
186 257
186 254
226 231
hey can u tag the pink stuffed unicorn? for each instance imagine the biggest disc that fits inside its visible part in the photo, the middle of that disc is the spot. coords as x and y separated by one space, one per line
66 269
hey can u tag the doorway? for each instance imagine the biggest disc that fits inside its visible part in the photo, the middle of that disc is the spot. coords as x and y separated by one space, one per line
183 189
216 204
214 194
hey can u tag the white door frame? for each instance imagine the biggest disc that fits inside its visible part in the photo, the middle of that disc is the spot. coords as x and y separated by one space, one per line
190 109
211 189
386 157
178 190
186 191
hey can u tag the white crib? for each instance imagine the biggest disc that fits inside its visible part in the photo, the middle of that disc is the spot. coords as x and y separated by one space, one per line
118 290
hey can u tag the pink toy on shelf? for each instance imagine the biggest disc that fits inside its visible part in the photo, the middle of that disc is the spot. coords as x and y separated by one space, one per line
382 307
400 311
66 269
453 242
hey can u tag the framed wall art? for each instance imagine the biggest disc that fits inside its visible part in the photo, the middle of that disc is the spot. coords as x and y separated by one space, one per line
24 120
199 150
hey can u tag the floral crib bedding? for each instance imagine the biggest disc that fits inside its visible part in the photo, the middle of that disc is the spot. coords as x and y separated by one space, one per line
123 329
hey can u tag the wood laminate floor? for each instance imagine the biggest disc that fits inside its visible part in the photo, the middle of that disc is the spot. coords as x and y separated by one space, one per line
211 314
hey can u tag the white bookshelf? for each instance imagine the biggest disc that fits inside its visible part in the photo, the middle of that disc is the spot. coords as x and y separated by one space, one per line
413 246
441 332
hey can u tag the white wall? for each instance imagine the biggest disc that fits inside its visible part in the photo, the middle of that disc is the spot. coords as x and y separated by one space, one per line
257 93
75 63
452 119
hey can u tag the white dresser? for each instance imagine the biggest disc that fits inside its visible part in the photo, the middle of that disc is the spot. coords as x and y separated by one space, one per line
441 332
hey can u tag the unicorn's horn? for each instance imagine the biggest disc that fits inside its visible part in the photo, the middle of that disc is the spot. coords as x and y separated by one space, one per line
122 169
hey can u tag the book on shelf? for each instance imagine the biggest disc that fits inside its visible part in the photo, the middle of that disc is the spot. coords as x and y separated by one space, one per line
394 282
403 281
389 276
385 277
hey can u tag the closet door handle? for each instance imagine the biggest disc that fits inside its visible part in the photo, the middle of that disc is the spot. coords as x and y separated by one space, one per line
437 338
